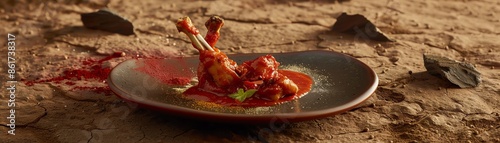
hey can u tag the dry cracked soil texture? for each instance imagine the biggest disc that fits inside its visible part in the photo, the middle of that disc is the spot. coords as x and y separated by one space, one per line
409 105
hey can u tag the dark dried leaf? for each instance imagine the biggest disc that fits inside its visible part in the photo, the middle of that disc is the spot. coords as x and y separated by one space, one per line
461 74
106 20
360 26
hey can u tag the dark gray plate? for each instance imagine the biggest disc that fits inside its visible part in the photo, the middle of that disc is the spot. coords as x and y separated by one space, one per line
340 83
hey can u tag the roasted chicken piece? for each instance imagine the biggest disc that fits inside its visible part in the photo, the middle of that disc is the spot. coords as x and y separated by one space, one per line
262 74
217 73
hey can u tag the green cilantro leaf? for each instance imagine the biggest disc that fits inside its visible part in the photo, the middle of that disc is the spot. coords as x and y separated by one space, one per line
241 95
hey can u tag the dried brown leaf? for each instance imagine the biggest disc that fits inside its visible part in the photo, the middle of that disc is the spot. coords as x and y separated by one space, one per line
459 73
360 26
106 20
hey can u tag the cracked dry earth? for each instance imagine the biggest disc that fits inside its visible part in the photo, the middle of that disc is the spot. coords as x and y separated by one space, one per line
407 106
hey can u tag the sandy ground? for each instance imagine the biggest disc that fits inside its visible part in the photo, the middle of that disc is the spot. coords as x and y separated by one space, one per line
406 107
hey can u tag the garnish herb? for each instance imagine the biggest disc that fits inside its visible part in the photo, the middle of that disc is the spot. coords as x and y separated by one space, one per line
241 95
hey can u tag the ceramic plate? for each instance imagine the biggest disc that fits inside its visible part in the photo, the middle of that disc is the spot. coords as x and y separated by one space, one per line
340 83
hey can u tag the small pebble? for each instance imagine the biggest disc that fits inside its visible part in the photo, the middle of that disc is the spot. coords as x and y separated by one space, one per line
394 85
394 59
410 72
371 137
475 132
384 83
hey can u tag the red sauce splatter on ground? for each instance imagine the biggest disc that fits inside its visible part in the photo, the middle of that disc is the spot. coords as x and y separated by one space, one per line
91 70
303 81
171 72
